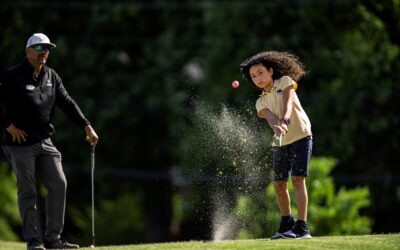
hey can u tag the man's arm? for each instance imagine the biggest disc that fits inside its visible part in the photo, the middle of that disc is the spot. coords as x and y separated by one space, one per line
72 110
65 102
4 122
16 133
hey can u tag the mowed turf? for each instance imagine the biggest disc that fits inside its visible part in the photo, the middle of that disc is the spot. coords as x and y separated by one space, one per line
365 242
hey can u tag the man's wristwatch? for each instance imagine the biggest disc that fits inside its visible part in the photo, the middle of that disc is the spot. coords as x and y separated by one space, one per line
286 121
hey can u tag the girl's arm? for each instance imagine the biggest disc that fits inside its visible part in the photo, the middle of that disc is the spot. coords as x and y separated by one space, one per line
288 97
273 121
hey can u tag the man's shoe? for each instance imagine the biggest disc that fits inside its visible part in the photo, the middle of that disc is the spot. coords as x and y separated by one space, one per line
35 244
60 244
283 227
299 231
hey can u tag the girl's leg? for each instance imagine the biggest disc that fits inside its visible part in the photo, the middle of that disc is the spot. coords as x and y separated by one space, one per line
281 165
301 196
282 197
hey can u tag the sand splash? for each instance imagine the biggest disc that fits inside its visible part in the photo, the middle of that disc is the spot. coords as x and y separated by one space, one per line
237 145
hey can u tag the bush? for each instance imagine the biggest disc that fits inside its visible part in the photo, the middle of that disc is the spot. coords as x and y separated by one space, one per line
9 216
330 212
335 213
118 221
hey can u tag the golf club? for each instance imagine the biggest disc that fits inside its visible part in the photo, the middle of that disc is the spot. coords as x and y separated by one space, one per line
92 158
280 140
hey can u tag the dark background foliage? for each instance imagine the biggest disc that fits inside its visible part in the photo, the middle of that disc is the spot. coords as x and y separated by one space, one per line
135 67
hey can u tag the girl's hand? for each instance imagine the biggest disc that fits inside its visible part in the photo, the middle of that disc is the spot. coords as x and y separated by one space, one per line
284 126
16 133
280 130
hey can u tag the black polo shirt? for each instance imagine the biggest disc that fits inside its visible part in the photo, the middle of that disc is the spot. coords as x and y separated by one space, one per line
28 102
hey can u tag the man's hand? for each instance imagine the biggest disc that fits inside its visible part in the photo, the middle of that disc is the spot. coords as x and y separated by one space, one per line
16 133
91 135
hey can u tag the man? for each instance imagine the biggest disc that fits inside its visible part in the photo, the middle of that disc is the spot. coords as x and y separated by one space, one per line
29 92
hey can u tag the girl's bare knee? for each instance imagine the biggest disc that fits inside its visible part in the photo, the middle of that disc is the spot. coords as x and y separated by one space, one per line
298 180
280 186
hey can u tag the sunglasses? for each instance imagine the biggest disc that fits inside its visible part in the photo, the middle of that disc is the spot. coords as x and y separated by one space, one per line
41 48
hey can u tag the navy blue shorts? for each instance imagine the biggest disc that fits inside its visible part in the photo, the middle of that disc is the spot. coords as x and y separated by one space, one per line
292 159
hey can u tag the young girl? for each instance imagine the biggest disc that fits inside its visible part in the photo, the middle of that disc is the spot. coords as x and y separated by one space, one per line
276 73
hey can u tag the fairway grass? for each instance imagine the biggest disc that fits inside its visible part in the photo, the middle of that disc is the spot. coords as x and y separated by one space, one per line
367 242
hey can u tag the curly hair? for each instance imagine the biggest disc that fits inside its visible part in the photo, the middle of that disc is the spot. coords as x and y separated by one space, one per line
283 64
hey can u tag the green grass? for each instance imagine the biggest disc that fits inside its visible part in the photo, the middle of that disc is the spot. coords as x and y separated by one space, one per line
365 242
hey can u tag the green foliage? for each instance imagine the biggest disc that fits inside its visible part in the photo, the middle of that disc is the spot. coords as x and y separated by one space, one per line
335 212
330 212
117 221
252 212
9 216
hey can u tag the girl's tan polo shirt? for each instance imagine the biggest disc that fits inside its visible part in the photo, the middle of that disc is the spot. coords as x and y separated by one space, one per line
300 125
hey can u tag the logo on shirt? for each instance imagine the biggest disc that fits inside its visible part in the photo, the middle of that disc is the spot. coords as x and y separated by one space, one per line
279 92
30 87
49 84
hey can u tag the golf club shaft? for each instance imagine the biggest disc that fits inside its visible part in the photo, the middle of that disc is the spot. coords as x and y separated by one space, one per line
92 161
